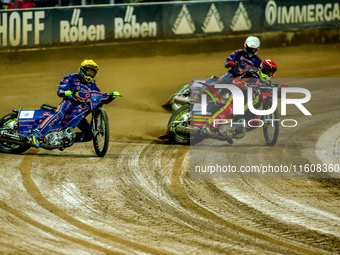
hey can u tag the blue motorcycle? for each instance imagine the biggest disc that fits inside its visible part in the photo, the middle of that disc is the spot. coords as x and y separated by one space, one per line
17 126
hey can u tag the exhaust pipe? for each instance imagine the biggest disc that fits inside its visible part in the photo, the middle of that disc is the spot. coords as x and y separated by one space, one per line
181 100
186 130
13 138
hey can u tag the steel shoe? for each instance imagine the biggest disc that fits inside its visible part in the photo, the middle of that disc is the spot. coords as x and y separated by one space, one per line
207 130
35 140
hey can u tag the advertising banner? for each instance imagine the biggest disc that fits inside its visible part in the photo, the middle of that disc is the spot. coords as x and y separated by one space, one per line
210 18
25 28
175 20
293 15
112 23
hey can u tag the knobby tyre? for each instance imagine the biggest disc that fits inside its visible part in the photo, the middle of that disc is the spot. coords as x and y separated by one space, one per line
182 138
9 121
271 127
101 136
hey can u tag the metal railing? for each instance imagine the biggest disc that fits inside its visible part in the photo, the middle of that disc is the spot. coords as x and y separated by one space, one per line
15 4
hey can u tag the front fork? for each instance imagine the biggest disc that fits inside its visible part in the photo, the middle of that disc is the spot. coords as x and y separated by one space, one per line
94 128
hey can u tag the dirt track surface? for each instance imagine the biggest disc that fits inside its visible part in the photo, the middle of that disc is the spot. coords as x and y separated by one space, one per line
139 198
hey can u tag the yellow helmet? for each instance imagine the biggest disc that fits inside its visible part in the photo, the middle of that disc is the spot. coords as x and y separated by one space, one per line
88 70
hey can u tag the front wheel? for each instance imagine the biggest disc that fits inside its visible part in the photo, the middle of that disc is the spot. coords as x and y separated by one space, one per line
271 124
184 136
101 131
7 124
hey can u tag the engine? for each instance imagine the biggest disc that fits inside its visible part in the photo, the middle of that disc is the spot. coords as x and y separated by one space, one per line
58 139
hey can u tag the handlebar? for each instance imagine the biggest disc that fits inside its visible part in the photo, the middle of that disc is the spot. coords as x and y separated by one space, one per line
261 86
269 86
86 94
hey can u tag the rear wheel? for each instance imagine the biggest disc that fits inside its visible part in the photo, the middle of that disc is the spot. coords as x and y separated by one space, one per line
101 132
9 122
186 138
271 124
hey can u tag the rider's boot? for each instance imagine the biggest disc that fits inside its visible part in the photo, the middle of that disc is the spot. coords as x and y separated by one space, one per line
236 130
210 131
207 130
35 139
240 132
229 140
83 137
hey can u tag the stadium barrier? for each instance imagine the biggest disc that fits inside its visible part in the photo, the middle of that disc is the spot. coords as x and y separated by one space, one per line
286 20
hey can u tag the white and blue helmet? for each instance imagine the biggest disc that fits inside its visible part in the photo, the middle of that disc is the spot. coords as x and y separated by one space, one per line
252 45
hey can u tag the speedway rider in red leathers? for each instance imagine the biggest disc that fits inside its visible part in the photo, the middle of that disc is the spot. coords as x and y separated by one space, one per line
83 80
260 77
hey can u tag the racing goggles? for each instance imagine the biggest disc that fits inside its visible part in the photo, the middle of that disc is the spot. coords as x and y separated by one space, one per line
90 72
267 72
252 50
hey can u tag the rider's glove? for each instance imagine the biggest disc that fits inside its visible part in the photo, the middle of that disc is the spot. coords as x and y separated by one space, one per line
232 63
116 94
68 93
71 94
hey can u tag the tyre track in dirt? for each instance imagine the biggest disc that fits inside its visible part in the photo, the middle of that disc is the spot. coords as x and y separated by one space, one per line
176 205
33 190
45 228
267 215
182 210
196 208
278 205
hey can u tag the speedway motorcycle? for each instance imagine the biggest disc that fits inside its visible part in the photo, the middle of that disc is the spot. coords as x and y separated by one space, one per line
187 125
183 95
17 126
179 98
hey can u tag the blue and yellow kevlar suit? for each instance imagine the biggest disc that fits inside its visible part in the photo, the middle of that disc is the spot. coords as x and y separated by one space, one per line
69 104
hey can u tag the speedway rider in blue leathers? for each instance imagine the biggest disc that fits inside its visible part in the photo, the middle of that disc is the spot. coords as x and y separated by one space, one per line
244 59
83 80
241 61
